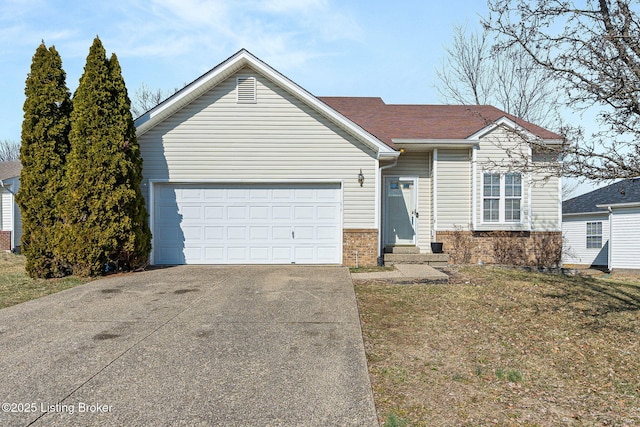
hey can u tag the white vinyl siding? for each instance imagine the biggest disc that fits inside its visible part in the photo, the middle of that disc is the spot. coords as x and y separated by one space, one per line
545 201
418 165
575 249
542 192
454 189
625 238
10 218
5 210
276 139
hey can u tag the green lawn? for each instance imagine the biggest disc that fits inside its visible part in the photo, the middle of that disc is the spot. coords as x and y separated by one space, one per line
17 287
504 347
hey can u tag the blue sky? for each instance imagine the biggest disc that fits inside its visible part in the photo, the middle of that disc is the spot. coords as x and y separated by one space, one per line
329 47
380 48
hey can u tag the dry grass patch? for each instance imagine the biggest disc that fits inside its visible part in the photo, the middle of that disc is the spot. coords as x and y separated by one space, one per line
17 287
504 347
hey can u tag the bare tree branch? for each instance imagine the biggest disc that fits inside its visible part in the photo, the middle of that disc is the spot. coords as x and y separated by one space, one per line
9 151
474 72
145 99
593 53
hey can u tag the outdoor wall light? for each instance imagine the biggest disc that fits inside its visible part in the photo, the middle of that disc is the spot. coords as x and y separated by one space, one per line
360 178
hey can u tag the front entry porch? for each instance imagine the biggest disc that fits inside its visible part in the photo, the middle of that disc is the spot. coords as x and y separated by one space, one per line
411 255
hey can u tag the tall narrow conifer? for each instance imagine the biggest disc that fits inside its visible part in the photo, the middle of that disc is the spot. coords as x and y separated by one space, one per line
104 215
44 148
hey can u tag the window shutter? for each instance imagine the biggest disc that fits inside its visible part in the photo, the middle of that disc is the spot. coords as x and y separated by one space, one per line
246 90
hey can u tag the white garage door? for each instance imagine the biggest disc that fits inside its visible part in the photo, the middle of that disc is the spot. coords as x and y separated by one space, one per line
247 224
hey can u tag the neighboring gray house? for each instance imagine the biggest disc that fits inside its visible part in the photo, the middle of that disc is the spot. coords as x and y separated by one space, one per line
245 166
10 224
602 228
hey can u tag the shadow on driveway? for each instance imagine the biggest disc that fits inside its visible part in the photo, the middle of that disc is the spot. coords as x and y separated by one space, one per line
189 345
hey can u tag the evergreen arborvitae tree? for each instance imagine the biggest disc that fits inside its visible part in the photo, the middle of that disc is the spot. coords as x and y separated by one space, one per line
135 237
105 220
45 145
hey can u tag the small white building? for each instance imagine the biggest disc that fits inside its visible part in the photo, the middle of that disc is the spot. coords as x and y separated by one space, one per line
602 228
10 224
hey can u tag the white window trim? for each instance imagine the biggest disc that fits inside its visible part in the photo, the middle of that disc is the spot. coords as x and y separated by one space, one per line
501 203
587 235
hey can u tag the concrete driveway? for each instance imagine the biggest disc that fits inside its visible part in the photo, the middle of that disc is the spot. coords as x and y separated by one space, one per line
190 345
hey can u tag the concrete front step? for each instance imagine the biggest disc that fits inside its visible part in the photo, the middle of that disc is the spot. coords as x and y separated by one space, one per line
402 250
434 260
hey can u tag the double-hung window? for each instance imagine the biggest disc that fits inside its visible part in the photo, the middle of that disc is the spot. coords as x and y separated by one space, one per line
491 192
594 235
502 197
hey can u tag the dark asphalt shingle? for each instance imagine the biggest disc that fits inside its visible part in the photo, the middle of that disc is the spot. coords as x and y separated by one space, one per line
624 191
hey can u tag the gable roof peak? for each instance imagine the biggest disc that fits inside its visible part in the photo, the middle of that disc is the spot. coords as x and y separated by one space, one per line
231 66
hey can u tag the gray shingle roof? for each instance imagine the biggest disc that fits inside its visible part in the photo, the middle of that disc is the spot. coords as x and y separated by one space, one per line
9 170
625 191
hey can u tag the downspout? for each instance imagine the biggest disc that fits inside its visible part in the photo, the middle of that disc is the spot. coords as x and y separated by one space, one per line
380 219
434 231
609 261
474 189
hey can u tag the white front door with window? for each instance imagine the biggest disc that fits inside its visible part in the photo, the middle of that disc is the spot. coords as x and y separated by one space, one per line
400 211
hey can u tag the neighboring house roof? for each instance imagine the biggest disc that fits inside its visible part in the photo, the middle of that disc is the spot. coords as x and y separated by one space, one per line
391 122
229 67
625 191
9 170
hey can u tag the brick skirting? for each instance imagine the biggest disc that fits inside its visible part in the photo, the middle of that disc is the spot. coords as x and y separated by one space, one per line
502 247
365 242
5 240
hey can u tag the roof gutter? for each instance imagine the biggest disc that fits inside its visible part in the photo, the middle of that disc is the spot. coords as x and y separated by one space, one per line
5 187
603 212
619 205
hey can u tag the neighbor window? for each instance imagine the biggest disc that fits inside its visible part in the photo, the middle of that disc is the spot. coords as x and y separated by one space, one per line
594 235
502 197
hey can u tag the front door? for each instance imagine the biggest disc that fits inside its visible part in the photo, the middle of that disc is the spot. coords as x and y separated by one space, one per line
400 212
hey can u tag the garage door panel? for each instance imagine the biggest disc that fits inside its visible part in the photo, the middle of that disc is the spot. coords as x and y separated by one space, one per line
304 254
237 194
237 254
327 233
303 212
237 233
214 233
259 233
235 213
191 212
259 212
214 255
304 234
328 213
260 254
193 255
247 223
281 233
281 212
326 254
213 212
214 194
191 194
193 233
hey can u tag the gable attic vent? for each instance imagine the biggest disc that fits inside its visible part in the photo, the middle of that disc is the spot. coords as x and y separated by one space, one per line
246 90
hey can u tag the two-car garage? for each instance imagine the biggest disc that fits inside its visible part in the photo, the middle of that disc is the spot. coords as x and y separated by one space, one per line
276 223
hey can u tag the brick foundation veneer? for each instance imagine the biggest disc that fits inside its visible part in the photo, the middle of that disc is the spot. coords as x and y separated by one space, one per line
520 248
5 240
365 241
